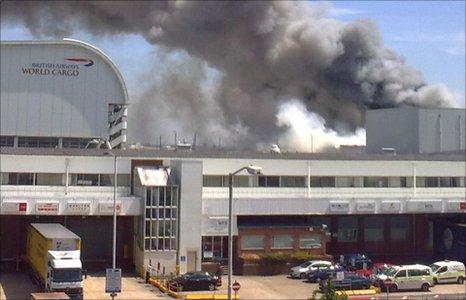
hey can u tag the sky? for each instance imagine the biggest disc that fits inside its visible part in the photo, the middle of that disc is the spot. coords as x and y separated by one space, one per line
430 35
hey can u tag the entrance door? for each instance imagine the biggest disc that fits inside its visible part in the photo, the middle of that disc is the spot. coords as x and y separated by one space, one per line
191 261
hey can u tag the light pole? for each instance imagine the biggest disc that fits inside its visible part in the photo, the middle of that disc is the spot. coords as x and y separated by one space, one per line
114 211
251 170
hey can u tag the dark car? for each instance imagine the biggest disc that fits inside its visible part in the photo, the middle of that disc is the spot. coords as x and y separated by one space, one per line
351 281
324 273
356 261
195 281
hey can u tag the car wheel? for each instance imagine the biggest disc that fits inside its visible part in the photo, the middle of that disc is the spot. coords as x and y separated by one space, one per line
425 287
211 287
393 288
460 280
302 275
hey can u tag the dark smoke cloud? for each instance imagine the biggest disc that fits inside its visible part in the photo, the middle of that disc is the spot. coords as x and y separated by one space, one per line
267 52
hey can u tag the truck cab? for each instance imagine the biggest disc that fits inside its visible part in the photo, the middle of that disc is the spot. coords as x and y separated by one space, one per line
64 273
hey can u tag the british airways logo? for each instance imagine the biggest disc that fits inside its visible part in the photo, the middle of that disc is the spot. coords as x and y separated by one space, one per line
85 61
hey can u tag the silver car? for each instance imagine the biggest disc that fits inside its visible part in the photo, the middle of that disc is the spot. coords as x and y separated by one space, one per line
303 269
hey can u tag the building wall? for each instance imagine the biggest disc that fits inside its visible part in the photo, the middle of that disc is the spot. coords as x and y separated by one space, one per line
415 130
38 101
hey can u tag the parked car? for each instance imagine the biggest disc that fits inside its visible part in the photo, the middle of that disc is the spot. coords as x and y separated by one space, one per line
303 269
448 271
350 281
356 261
324 273
407 277
195 281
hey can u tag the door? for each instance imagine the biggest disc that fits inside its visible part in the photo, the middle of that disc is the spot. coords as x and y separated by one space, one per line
401 280
191 261
442 274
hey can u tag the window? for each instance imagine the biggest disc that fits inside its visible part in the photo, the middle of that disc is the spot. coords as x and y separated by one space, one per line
75 142
375 181
282 241
212 181
222 181
401 273
21 178
7 141
310 241
373 229
252 242
49 179
37 142
431 182
346 181
442 269
87 179
214 248
293 181
347 229
326 181
397 182
399 228
269 181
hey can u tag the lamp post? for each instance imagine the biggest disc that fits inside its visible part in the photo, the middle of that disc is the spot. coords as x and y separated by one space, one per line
114 211
251 170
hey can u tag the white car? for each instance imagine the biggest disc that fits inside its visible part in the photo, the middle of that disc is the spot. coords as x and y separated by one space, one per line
448 271
303 269
407 277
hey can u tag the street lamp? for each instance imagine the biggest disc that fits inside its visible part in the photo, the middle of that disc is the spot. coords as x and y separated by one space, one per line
114 211
251 170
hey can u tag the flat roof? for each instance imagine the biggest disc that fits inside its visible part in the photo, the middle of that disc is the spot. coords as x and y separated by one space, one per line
231 154
54 231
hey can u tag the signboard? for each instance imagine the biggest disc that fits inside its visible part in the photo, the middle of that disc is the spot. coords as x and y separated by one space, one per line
236 286
390 206
340 275
424 206
78 208
456 205
113 281
339 206
14 208
218 224
47 208
365 206
107 207
64 244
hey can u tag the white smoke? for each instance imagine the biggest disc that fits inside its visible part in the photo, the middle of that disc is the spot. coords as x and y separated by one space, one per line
306 131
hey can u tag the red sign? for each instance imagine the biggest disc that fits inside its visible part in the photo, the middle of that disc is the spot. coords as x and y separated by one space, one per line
22 206
236 286
463 205
387 282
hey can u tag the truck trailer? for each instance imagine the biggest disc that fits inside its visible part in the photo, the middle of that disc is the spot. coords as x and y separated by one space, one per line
53 254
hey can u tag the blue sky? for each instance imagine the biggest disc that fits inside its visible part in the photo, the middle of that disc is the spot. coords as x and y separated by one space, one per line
429 34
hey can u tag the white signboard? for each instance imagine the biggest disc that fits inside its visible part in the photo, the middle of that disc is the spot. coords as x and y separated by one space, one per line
365 206
64 244
78 208
456 205
107 207
14 208
390 206
113 281
339 206
47 208
424 206
218 224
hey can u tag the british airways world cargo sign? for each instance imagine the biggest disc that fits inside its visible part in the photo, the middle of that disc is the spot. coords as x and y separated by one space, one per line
70 68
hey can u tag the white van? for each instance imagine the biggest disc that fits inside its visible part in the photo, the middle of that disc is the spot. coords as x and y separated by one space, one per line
448 271
407 277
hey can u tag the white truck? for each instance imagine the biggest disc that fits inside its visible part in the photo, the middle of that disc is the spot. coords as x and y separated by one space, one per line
53 254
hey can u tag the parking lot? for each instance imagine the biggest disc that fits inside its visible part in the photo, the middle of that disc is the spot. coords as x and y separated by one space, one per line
18 286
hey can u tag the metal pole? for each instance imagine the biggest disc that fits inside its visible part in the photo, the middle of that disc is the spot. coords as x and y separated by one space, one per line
114 210
230 233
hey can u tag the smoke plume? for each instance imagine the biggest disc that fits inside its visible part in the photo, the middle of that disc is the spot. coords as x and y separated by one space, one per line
267 54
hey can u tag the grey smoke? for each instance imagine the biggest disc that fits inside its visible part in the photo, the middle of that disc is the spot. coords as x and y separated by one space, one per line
267 53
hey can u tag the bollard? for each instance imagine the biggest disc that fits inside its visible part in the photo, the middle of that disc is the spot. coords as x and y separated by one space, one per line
147 276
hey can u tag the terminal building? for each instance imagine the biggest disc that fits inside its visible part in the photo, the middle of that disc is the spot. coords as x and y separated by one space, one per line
173 204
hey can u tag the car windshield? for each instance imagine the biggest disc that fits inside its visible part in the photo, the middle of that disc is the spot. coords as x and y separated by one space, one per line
434 267
389 271
305 265
67 275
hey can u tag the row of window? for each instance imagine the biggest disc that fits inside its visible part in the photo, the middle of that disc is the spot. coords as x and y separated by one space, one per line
348 229
332 181
59 179
280 241
44 142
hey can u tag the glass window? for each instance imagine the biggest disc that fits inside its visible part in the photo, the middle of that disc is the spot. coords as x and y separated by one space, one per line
401 273
309 241
269 181
375 181
87 179
346 181
7 141
293 181
252 242
431 182
212 181
373 229
348 229
238 181
21 178
123 179
399 228
282 241
49 179
325 181
106 179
